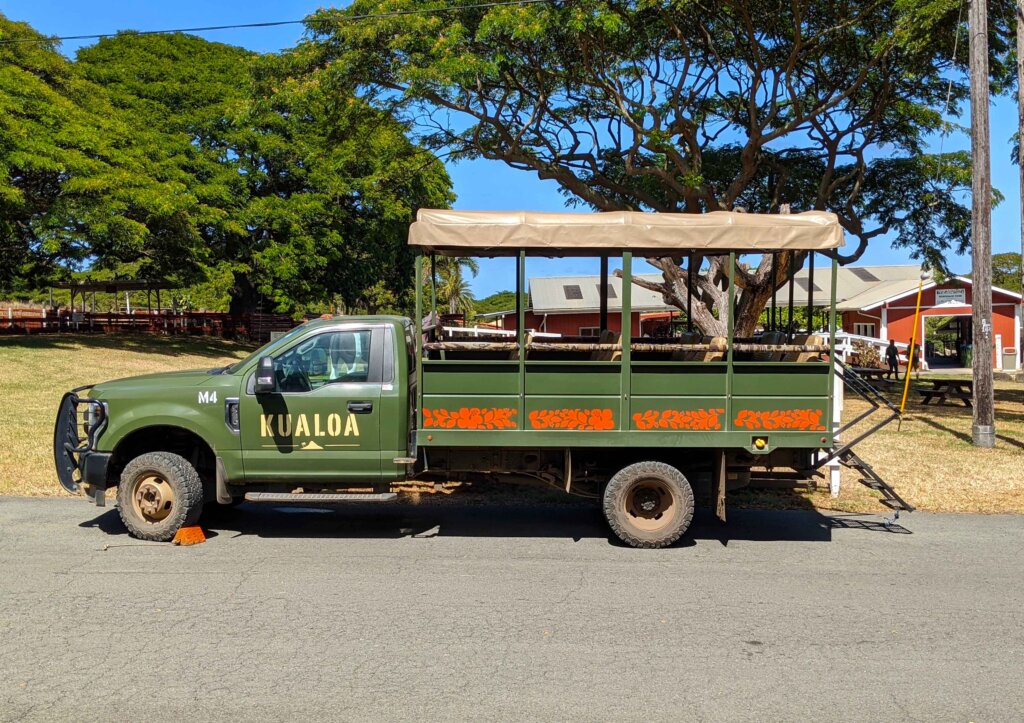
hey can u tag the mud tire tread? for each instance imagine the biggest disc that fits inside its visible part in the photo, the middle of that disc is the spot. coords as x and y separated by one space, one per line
626 476
188 495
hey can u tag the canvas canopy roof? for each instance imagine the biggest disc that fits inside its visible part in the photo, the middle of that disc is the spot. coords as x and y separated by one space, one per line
495 233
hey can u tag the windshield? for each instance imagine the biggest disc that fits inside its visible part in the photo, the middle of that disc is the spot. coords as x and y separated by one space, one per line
238 366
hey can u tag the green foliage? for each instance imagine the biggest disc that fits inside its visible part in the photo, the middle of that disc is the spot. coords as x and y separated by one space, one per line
673 106
256 182
453 293
1006 271
77 180
499 301
306 192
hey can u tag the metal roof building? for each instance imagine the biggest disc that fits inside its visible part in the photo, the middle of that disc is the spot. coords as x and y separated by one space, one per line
857 287
581 294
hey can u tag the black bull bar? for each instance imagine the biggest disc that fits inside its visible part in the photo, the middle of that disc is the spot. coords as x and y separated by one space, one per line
74 438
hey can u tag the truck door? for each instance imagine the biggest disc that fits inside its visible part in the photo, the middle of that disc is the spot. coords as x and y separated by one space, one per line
322 423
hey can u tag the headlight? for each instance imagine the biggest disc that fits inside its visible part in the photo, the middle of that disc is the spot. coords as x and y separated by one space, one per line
93 417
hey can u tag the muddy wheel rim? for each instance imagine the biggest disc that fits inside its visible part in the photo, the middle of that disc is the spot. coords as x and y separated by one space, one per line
153 499
650 505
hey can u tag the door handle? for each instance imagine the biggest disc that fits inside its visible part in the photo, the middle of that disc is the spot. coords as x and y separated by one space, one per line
360 407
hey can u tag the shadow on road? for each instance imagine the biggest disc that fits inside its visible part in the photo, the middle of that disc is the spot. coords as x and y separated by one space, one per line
454 520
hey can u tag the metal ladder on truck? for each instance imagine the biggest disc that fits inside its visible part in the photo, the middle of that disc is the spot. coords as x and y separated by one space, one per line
845 454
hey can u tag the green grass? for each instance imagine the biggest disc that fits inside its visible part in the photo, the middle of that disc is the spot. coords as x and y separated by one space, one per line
35 371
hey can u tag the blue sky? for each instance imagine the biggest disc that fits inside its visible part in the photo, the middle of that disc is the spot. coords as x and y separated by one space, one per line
479 184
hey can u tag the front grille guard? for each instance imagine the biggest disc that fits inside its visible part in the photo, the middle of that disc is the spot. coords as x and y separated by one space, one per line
71 438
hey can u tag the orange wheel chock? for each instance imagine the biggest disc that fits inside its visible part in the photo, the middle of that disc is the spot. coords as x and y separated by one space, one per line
189 536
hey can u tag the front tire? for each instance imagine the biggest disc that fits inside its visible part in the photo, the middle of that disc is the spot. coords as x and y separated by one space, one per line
648 504
160 493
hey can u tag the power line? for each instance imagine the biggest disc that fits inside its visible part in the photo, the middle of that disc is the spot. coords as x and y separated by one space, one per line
278 23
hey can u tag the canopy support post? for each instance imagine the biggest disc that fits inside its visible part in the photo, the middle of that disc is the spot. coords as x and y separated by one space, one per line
419 340
730 332
627 334
791 272
810 293
521 333
774 272
603 323
689 294
433 287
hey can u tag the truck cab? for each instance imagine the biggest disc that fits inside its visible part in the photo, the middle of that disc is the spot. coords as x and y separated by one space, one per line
334 413
337 408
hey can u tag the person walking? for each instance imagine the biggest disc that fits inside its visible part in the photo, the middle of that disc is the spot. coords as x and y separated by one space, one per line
914 359
892 357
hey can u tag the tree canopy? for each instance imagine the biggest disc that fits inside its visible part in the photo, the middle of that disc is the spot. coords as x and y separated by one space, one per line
498 301
77 184
686 106
291 194
1006 271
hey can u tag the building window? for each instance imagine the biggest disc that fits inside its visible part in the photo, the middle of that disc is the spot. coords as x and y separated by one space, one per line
590 331
861 329
611 291
573 292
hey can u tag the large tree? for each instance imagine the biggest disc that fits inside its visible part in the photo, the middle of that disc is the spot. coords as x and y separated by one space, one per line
691 106
304 192
78 184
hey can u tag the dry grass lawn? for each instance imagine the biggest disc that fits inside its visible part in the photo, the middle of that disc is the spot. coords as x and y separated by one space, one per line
930 459
35 371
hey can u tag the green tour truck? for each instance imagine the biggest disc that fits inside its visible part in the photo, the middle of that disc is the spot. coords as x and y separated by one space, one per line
347 408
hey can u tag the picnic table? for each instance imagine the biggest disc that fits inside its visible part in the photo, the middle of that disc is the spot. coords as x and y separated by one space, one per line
875 376
872 372
943 389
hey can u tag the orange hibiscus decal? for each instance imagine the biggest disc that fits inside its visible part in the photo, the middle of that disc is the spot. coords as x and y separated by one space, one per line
693 419
579 419
800 419
470 418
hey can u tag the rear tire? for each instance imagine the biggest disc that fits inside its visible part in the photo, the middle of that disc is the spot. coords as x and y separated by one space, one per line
159 493
648 504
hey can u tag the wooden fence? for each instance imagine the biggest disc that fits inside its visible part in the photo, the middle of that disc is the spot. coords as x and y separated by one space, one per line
251 327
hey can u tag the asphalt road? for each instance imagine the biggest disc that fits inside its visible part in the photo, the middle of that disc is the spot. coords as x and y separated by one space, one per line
491 613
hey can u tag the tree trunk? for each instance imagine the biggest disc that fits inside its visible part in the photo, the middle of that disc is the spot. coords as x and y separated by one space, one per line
245 298
710 306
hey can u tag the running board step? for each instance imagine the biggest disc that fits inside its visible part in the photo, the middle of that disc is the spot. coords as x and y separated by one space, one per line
329 498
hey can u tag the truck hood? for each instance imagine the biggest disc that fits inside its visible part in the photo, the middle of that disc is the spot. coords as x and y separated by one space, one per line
160 381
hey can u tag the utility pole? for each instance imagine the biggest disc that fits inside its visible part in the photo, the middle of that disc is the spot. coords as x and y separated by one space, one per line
1020 140
983 429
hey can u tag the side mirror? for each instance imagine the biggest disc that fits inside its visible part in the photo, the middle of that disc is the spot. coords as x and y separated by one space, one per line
266 380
